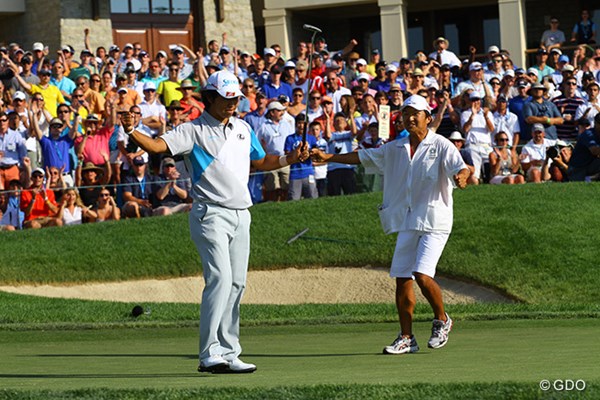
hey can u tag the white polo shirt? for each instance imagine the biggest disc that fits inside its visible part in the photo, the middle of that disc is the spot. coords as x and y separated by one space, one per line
219 157
417 192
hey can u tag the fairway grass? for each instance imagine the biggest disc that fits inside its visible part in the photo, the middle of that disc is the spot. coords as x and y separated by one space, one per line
518 353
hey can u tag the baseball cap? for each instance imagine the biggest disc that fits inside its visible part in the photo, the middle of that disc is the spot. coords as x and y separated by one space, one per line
326 99
568 68
55 121
224 49
113 47
493 49
537 128
361 61
149 86
475 66
417 102
363 75
501 98
282 98
19 95
331 64
39 171
275 70
556 50
289 64
587 75
168 161
225 83
563 58
395 87
121 76
46 72
542 50
418 72
139 160
391 68
375 51
127 45
301 65
269 51
92 117
538 86
521 83
275 105
519 71
456 136
509 72
532 71
162 53
474 95
122 90
38 46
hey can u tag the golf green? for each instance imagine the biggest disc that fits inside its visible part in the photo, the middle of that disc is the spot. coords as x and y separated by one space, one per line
478 351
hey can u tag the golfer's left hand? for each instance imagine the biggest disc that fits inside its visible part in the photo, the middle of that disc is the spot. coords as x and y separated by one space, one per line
301 153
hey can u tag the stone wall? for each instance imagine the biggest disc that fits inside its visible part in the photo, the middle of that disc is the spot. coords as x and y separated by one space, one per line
58 22
238 24
38 24
76 15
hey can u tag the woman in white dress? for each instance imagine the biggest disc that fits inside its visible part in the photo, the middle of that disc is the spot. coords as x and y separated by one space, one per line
72 211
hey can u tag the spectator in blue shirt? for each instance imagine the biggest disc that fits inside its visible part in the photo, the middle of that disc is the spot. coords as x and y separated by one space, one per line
274 87
302 174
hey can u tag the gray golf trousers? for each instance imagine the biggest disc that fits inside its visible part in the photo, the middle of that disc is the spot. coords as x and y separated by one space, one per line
222 237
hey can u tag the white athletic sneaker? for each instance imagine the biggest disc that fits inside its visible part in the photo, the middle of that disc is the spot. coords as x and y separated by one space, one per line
439 332
214 364
237 366
402 345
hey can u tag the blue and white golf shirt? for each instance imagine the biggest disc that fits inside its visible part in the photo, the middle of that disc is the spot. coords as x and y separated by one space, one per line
219 157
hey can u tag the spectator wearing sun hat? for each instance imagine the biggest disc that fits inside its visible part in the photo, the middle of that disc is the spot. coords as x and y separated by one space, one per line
192 107
442 55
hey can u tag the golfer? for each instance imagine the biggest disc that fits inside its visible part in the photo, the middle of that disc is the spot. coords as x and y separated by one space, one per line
419 173
219 148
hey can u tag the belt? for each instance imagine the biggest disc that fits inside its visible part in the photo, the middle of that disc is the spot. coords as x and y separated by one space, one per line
7 166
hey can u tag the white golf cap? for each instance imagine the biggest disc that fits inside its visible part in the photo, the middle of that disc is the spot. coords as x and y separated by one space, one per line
509 72
363 75
39 171
127 45
532 71
493 49
456 136
475 66
225 83
19 95
275 105
177 49
122 90
568 68
269 51
361 61
38 46
417 102
162 53
391 68
149 86
289 64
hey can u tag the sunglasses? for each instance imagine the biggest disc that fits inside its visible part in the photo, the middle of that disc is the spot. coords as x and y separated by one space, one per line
315 98
174 69
502 140
96 80
136 112
104 195
81 83
64 112
249 86
3 119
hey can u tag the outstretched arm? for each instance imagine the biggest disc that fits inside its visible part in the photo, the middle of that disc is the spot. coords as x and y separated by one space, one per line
347 158
153 146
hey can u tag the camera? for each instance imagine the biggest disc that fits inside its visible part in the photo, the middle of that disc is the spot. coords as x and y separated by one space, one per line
554 151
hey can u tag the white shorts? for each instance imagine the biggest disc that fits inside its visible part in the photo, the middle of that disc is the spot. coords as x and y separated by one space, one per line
417 251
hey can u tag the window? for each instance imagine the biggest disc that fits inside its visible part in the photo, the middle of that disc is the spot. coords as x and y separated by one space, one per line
150 7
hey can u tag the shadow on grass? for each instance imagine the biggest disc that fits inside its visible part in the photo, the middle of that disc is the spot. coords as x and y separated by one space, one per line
111 376
187 357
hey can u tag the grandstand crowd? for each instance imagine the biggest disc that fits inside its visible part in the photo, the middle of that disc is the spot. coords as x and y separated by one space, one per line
64 158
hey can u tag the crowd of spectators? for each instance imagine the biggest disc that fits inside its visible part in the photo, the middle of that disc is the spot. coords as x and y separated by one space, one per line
65 160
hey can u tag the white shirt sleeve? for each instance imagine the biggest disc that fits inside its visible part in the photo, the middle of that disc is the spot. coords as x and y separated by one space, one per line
373 159
180 140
